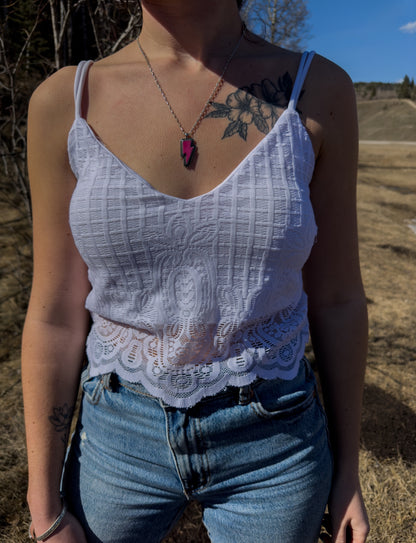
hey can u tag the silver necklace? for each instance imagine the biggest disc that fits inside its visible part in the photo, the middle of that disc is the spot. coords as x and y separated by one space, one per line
188 144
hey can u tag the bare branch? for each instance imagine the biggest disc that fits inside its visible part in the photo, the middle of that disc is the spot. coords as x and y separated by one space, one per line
282 22
130 26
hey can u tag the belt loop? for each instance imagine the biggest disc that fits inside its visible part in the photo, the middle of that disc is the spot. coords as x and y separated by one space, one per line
110 381
245 395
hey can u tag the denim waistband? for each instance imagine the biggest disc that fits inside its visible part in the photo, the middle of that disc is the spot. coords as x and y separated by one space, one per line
241 395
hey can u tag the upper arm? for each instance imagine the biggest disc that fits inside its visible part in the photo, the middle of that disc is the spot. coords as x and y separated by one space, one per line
332 273
60 282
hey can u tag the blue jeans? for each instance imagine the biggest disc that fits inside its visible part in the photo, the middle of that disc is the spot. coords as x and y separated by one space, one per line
257 458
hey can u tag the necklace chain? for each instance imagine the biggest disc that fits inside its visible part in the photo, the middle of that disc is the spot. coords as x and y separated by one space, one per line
212 96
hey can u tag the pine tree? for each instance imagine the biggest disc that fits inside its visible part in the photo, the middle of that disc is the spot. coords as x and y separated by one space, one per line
412 90
405 88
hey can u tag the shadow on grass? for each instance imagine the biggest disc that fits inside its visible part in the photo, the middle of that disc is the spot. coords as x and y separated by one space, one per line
388 426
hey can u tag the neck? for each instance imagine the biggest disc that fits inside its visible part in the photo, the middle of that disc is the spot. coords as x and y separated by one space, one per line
200 30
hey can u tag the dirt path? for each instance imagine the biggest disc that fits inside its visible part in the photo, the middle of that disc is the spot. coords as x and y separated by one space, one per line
375 142
388 101
411 103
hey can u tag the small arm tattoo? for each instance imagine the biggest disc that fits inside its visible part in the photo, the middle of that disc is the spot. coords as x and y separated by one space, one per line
61 421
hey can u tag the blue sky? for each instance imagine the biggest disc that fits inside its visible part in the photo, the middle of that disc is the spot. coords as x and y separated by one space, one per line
366 37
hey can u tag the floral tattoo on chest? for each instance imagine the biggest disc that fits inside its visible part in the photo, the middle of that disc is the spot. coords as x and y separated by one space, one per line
256 104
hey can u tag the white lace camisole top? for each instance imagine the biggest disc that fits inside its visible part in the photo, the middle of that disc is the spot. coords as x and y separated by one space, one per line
190 296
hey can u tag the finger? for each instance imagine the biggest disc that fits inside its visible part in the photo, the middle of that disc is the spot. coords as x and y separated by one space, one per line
340 535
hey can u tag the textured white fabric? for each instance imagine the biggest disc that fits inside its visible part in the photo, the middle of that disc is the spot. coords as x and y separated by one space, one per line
189 296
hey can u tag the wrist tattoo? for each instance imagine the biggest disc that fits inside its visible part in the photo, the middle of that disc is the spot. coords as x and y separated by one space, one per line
256 104
61 421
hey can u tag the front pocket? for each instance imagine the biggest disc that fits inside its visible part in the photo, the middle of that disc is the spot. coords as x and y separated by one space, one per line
92 388
268 404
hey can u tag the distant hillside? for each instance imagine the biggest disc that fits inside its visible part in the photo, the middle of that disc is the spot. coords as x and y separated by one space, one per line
384 91
390 120
376 91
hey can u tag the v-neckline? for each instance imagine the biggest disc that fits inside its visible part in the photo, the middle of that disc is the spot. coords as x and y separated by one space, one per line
240 165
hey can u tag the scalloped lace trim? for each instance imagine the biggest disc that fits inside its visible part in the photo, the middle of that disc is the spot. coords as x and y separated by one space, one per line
185 363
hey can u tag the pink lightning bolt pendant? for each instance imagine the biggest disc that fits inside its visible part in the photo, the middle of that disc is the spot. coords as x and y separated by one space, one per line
187 150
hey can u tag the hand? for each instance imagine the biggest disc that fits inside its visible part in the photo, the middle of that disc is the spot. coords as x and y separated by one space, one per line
69 531
347 511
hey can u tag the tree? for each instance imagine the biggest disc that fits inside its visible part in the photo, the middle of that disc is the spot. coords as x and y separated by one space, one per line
100 26
405 88
282 22
114 24
371 90
18 24
38 37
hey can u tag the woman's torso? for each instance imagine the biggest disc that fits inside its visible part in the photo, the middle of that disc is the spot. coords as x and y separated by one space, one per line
196 273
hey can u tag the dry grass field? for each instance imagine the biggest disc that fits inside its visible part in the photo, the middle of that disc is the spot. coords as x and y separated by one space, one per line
387 223
387 120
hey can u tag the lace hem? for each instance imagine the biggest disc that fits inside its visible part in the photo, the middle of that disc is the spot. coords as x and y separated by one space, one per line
263 351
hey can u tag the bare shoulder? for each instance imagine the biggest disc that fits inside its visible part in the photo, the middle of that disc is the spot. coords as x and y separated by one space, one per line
118 65
327 100
52 102
328 104
326 85
51 114
330 81
56 87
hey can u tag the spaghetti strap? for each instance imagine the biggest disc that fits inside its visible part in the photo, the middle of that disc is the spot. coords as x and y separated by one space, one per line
80 76
303 69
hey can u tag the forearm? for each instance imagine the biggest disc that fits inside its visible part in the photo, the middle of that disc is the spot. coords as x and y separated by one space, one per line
339 337
51 363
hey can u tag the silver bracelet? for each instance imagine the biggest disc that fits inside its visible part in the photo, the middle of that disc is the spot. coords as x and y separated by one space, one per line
50 530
